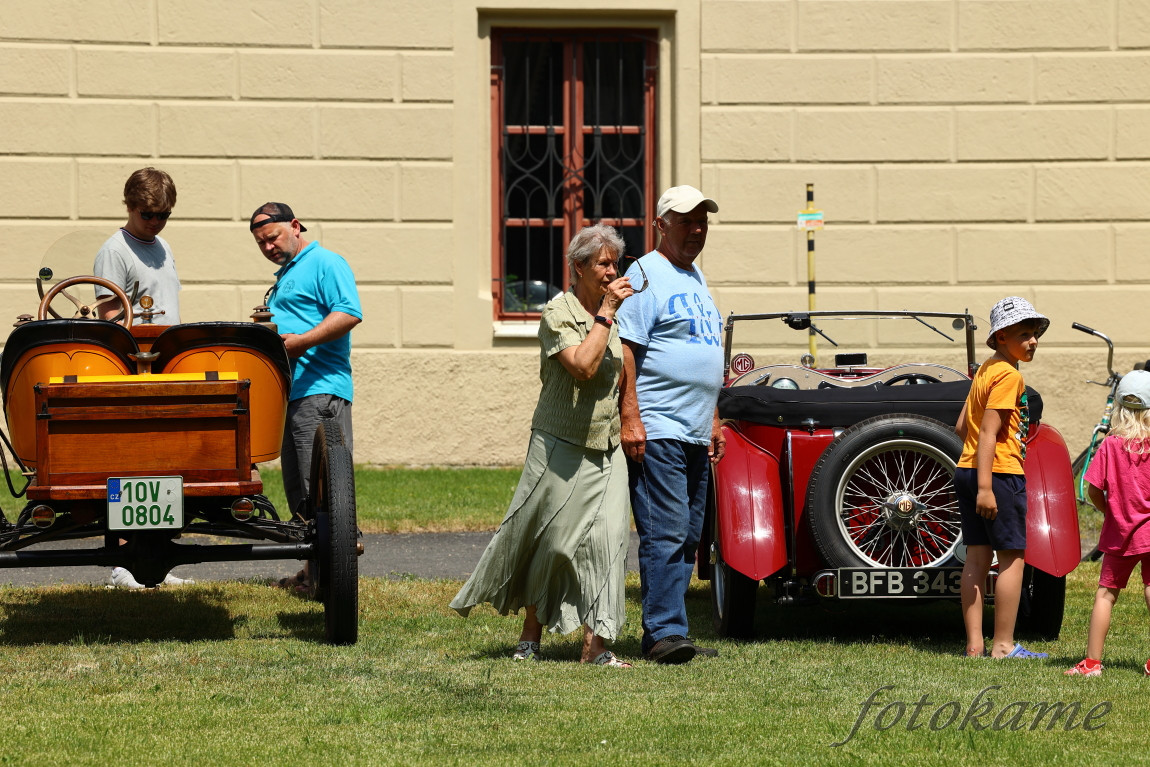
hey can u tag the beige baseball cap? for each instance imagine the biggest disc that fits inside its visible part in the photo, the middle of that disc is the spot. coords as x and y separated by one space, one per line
683 199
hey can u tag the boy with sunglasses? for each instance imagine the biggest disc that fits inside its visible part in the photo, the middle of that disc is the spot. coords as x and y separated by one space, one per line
137 253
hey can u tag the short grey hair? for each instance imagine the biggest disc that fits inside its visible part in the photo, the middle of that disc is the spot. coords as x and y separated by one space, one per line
588 242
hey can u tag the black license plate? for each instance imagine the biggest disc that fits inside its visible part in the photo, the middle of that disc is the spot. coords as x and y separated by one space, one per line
899 582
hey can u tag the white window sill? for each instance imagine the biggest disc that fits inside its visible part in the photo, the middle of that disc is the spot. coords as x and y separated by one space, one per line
510 329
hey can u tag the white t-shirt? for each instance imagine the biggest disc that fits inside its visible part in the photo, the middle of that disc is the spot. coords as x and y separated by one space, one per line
125 260
680 372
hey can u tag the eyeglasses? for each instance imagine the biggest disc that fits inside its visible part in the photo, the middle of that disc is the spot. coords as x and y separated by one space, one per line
149 215
639 264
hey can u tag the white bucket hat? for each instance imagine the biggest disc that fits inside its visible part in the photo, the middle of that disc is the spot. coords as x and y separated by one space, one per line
683 199
1011 311
1134 390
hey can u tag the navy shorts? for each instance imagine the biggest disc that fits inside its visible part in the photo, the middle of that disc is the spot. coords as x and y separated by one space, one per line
1005 532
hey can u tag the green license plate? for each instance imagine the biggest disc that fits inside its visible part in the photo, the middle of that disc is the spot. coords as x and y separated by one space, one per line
145 503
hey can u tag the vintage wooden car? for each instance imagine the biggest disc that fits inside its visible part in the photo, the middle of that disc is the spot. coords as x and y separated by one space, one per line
837 480
144 438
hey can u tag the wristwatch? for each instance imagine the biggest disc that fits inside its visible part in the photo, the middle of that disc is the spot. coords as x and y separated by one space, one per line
603 320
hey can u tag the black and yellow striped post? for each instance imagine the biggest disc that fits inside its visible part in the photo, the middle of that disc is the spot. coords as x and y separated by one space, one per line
811 219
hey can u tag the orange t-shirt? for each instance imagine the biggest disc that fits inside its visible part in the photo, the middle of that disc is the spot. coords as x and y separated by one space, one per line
997 385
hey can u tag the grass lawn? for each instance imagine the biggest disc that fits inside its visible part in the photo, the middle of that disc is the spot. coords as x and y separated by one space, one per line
235 674
421 500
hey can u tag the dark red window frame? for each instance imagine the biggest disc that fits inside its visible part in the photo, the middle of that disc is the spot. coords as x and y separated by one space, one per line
557 172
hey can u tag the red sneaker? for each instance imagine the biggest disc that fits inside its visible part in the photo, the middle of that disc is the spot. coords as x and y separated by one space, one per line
1088 667
1147 667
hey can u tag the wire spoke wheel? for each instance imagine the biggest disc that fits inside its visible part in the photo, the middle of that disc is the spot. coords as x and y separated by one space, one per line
882 495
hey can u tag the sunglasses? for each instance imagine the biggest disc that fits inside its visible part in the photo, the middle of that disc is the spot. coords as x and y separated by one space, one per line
148 215
644 275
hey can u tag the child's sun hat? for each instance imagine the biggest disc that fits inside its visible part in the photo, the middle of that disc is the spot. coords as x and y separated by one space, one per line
1011 311
1134 390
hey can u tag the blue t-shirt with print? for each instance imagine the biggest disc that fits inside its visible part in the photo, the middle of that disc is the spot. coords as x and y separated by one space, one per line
680 369
311 286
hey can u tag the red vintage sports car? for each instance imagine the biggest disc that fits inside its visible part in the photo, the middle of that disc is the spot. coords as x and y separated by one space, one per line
837 480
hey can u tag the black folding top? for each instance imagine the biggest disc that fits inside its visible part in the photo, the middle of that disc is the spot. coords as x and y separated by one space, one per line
841 407
831 407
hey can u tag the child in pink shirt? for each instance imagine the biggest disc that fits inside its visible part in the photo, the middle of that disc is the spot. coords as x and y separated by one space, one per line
1119 485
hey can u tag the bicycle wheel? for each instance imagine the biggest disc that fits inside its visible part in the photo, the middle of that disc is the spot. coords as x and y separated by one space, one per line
1089 518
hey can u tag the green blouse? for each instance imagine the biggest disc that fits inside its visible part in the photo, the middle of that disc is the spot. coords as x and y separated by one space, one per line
581 412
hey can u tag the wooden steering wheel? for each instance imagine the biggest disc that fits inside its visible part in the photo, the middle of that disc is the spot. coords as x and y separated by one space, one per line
87 311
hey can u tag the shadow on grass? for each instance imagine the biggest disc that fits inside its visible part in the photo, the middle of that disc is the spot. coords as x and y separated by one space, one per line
934 625
556 649
566 648
99 616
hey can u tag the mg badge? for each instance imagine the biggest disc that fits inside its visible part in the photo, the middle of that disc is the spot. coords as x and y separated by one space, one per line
742 363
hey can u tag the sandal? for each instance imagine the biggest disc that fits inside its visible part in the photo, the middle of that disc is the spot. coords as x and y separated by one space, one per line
1021 652
607 658
527 651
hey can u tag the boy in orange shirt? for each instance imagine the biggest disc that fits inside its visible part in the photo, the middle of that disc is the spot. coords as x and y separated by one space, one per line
990 482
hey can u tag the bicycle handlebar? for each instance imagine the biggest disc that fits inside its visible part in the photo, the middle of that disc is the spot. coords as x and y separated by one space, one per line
1110 344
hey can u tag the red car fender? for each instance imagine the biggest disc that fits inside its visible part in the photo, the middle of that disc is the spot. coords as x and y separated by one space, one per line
1052 543
749 505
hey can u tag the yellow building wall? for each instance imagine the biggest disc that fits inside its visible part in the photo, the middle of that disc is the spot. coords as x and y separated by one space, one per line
963 150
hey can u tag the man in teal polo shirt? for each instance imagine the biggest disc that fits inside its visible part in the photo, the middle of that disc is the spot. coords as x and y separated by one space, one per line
315 304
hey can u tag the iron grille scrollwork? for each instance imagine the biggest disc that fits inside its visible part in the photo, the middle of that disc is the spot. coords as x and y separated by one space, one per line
575 146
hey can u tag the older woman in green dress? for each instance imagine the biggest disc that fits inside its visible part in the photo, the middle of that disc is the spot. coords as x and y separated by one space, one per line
561 550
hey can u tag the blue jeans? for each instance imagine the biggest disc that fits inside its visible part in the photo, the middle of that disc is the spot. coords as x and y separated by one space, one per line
668 499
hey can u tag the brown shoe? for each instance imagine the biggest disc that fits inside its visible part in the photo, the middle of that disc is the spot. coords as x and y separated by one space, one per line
672 650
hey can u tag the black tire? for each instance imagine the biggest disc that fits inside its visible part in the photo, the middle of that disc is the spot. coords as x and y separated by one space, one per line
1089 518
1042 604
335 569
732 593
882 494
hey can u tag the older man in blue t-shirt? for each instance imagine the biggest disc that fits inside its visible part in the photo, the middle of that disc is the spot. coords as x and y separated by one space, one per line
315 304
673 358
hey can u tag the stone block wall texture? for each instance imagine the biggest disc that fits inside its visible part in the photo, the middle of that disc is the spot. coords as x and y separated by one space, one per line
962 150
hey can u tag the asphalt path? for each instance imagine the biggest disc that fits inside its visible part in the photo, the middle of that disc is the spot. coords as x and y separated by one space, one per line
420 555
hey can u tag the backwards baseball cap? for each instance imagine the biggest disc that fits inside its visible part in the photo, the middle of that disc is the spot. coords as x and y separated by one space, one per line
275 212
683 199
1134 390
1011 311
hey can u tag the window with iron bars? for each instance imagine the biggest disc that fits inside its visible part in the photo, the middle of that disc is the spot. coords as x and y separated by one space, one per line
573 114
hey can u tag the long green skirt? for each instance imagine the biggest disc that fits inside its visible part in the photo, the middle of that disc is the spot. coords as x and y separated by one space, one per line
563 544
